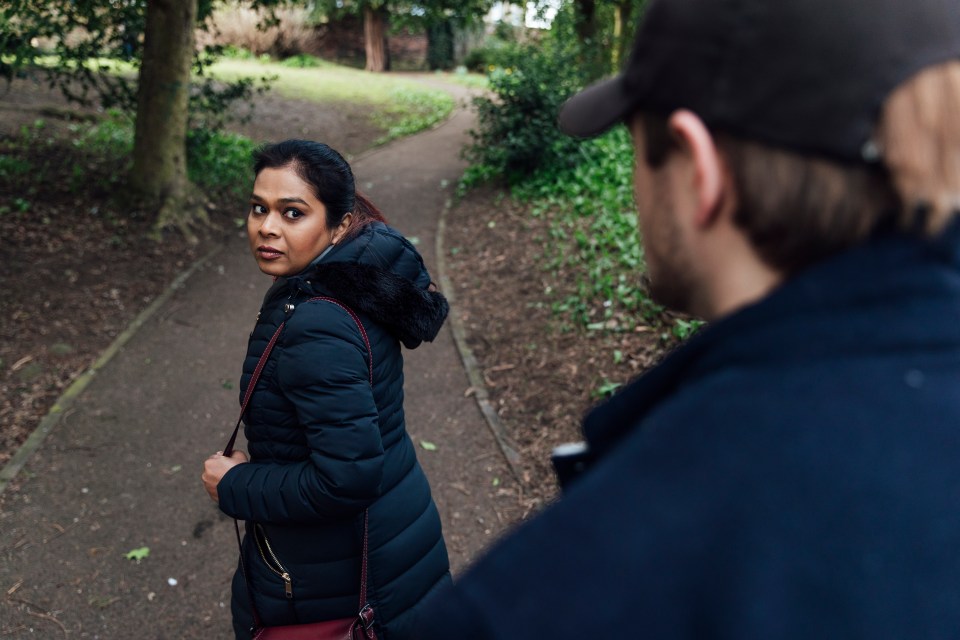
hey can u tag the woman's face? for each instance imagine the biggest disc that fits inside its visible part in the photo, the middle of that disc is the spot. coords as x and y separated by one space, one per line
287 225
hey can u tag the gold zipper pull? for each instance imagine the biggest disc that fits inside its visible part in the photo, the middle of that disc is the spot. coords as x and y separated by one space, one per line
287 585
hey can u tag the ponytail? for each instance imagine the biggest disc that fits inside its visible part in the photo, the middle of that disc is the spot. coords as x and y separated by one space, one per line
364 213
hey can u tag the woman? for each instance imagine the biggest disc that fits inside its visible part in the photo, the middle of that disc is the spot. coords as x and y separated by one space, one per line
326 443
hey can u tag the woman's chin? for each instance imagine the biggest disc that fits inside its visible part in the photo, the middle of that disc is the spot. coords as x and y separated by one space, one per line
271 268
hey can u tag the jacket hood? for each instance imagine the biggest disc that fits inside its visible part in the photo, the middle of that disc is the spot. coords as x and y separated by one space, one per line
381 274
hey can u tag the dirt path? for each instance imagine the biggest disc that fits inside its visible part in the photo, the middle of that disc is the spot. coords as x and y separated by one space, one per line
121 470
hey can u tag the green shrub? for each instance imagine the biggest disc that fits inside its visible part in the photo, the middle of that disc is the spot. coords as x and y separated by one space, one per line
111 137
493 54
477 60
233 52
303 61
517 133
220 161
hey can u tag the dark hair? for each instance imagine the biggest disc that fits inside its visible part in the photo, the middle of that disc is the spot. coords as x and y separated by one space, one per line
330 176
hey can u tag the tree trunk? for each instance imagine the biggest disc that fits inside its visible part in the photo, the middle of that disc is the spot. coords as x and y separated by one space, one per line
622 33
592 56
375 38
440 37
159 172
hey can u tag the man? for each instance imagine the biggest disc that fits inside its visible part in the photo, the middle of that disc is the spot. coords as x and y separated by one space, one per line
793 471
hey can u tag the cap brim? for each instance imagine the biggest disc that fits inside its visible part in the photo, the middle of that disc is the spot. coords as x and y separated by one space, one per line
595 109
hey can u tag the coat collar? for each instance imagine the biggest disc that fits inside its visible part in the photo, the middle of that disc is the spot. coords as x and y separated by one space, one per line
857 302
380 274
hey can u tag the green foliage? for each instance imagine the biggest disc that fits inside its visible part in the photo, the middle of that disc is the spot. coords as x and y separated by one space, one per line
606 389
219 161
94 51
440 45
584 190
13 167
138 554
494 53
683 328
594 234
231 52
303 61
37 165
112 137
411 111
517 132
97 160
78 32
461 76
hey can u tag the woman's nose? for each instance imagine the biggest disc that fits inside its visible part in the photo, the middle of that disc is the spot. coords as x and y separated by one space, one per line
269 225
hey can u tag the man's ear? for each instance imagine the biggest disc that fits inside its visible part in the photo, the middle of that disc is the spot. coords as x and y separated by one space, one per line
696 140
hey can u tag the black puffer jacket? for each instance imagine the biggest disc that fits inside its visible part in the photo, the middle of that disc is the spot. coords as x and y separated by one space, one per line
325 444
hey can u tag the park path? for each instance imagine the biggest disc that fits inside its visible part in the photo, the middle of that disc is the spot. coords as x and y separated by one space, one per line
121 469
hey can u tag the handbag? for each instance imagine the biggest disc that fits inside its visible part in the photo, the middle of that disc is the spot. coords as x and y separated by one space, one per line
358 627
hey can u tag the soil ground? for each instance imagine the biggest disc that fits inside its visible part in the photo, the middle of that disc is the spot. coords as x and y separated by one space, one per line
120 470
75 270
55 322
541 372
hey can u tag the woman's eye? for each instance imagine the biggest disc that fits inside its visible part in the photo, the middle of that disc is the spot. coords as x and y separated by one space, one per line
293 214
257 209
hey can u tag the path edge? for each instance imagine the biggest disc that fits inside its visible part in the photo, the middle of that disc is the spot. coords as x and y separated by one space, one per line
68 397
470 364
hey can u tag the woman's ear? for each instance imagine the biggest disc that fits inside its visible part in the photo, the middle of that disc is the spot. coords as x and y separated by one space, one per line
342 228
695 139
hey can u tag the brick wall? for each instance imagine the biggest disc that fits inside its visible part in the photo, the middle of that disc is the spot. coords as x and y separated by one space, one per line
342 41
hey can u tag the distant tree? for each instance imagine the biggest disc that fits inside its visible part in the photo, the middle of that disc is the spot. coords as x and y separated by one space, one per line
604 31
439 19
376 17
443 19
157 38
625 16
376 21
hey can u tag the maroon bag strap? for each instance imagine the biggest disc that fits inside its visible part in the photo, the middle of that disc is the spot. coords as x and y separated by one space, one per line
365 615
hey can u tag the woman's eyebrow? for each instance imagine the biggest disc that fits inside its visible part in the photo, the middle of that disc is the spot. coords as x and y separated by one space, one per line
288 200
292 199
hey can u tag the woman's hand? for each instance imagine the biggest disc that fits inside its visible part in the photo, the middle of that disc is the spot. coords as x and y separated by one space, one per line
216 467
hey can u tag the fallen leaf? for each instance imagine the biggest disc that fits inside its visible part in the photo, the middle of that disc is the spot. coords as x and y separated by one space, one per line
138 554
428 446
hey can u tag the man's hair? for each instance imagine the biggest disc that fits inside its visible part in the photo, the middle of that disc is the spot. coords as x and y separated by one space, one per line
919 137
798 209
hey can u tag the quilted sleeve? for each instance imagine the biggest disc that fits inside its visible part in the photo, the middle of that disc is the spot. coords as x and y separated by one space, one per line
323 370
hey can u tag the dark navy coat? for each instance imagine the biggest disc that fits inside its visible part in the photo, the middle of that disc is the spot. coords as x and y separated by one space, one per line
791 472
325 444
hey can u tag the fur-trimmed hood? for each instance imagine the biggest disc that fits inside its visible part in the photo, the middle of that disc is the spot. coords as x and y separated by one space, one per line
380 274
412 314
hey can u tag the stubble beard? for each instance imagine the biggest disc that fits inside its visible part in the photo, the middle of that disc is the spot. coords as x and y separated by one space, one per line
670 277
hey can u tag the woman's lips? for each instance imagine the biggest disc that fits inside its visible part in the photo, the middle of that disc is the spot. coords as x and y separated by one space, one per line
269 253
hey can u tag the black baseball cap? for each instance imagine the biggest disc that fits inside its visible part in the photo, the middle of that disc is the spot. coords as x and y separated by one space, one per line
807 75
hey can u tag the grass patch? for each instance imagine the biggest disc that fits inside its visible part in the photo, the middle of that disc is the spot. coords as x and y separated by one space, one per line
403 106
465 78
411 111
327 83
593 229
